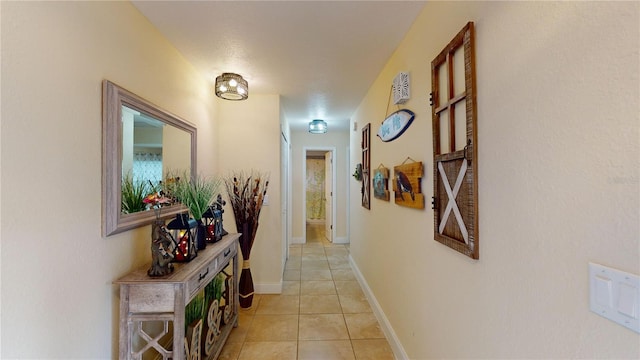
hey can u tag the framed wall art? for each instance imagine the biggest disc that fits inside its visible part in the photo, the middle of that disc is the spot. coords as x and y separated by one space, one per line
406 185
381 183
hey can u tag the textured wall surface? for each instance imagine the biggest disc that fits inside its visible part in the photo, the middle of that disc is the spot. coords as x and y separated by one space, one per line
250 140
559 158
58 300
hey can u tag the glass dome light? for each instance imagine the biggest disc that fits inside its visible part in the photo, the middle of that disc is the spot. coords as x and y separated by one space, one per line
318 126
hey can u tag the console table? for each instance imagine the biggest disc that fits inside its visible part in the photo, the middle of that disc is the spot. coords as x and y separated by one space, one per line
152 309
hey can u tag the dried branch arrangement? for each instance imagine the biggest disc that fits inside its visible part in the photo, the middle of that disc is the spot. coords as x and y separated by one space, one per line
246 193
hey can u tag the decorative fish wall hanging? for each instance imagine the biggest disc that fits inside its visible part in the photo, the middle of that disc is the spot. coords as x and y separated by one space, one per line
395 124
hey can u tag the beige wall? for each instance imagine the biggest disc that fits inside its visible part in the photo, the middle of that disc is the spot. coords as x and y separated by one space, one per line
58 300
250 140
558 137
558 156
334 139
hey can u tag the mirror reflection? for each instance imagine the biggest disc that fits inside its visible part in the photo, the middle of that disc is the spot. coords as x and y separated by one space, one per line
141 146
152 151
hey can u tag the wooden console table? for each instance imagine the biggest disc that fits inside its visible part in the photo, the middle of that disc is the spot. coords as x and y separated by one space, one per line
152 309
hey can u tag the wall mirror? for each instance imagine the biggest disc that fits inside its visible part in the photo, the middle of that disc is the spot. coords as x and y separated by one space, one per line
142 143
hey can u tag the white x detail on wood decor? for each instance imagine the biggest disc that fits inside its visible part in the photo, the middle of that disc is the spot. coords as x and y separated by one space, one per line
452 204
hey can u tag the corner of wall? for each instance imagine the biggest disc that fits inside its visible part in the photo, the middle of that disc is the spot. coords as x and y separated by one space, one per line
268 288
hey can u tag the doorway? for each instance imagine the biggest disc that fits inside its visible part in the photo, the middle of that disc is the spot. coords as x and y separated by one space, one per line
318 193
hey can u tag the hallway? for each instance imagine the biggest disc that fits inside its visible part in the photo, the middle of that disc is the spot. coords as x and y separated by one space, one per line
322 312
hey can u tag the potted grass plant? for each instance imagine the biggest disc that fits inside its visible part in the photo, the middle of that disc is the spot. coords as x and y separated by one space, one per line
197 195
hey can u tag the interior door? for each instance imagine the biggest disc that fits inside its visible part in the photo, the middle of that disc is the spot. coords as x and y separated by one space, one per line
284 190
328 194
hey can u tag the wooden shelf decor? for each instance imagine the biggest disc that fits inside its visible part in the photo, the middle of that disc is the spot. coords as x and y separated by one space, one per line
187 314
455 144
406 184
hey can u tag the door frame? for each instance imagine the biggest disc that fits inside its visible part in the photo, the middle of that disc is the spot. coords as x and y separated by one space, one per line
328 157
306 149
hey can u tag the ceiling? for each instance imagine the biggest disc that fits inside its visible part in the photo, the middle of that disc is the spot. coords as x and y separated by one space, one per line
320 56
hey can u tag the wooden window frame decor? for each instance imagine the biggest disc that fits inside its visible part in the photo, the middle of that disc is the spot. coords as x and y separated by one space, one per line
455 170
366 166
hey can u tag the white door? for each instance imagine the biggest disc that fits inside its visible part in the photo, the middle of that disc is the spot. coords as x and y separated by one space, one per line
328 194
284 190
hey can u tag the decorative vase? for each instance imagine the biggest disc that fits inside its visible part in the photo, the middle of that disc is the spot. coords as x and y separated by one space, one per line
162 247
246 194
245 286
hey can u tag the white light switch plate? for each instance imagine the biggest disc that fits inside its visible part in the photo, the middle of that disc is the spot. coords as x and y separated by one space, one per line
615 295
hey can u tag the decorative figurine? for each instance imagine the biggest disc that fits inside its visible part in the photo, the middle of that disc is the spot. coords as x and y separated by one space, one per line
162 247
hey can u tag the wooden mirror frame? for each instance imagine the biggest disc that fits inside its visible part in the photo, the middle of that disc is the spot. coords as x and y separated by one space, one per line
113 98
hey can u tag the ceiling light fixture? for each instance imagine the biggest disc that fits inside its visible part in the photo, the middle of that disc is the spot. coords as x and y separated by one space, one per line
318 126
230 86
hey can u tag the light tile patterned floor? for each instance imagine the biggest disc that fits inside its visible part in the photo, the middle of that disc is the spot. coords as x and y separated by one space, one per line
322 312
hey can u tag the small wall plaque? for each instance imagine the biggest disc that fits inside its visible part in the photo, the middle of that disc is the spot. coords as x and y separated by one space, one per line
381 183
401 88
406 185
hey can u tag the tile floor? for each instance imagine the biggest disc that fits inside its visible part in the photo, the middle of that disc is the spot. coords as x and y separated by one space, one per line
322 312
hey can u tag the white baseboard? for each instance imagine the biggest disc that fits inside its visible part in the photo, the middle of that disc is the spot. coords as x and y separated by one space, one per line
297 240
340 240
394 342
268 288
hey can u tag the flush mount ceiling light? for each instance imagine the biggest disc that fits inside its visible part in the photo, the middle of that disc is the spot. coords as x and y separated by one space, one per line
317 126
230 86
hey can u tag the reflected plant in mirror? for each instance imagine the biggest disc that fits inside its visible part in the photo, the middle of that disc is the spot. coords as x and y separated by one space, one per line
141 142
143 195
133 194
